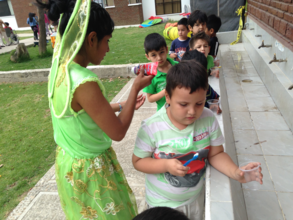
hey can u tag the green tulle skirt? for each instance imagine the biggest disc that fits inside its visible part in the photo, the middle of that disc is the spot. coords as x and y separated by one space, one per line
93 188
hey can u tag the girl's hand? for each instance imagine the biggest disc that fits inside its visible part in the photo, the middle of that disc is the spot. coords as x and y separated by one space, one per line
176 168
253 176
219 111
142 81
139 101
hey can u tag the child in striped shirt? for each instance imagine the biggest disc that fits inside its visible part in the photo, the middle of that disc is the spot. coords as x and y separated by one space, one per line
173 135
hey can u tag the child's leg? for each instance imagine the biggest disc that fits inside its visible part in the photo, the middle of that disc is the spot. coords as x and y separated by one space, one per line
194 210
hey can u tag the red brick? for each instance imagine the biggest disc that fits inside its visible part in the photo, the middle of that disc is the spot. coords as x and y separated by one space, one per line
288 17
267 2
278 5
290 9
271 21
289 32
277 23
265 17
258 13
273 11
263 7
287 1
283 27
284 6
280 14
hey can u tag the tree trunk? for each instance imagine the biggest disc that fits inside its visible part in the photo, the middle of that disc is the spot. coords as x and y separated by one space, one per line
42 29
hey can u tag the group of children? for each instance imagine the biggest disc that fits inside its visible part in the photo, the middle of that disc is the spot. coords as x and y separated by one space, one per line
203 38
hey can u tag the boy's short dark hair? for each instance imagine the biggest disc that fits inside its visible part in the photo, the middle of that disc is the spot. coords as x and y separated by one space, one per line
197 16
214 22
6 23
161 213
183 21
198 36
197 56
187 74
155 42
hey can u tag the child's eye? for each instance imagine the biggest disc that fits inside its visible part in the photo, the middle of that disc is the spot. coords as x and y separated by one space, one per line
183 104
199 104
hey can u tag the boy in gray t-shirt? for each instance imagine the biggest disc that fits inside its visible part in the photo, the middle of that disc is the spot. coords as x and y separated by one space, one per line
173 135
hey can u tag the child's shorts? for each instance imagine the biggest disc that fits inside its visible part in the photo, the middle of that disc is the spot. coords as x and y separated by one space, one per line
194 210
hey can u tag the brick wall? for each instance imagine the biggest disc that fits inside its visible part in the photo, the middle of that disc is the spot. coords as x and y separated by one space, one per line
21 10
275 16
123 14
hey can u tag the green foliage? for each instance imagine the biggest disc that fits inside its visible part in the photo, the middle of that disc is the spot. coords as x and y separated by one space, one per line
27 146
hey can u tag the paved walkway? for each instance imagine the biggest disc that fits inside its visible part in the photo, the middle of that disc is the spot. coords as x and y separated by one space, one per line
42 202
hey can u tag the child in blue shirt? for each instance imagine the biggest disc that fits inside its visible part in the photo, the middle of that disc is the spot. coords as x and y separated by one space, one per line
180 45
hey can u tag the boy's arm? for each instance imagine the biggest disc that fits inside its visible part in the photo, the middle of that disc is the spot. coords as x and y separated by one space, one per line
223 163
153 166
155 97
172 51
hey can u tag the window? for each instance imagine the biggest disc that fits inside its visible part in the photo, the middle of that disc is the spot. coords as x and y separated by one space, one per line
168 6
4 8
104 3
134 1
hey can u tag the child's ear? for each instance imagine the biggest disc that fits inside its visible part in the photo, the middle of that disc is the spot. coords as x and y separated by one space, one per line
168 99
147 56
190 28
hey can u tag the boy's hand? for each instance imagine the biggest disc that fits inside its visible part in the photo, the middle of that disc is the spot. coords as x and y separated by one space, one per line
215 73
252 177
217 62
173 55
176 168
219 111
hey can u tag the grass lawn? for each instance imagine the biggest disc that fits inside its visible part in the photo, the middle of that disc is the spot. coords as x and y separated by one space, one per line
126 46
27 145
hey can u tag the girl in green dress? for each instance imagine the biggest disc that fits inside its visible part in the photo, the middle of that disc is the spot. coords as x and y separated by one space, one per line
91 183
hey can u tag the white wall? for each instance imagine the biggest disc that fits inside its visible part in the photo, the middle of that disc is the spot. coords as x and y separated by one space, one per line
11 20
184 2
149 8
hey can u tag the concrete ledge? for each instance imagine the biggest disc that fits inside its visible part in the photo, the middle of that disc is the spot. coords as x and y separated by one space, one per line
228 37
40 75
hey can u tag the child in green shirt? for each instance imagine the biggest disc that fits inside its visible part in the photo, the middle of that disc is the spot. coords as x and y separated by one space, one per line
156 50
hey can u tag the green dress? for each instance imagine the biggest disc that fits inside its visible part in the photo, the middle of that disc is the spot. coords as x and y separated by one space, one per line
91 183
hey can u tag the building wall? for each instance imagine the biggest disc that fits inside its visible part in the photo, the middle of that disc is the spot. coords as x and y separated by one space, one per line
123 14
275 16
21 10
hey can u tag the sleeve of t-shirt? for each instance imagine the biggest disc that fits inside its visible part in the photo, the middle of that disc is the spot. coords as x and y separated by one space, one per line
144 143
214 45
216 136
210 61
211 93
150 89
172 49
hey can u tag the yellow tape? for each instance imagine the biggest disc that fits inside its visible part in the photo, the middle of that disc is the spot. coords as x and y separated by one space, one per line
239 13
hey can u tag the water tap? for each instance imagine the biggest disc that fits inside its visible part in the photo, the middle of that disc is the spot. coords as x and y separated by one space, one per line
275 60
263 45
258 35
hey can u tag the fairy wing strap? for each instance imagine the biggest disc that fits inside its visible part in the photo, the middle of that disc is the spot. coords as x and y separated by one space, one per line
65 50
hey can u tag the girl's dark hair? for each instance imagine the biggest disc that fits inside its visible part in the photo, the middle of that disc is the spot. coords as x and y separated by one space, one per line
188 74
161 213
99 21
31 16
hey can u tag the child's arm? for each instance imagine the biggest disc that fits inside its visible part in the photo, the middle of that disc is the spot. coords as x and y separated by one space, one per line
172 51
155 97
152 166
222 162
173 55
